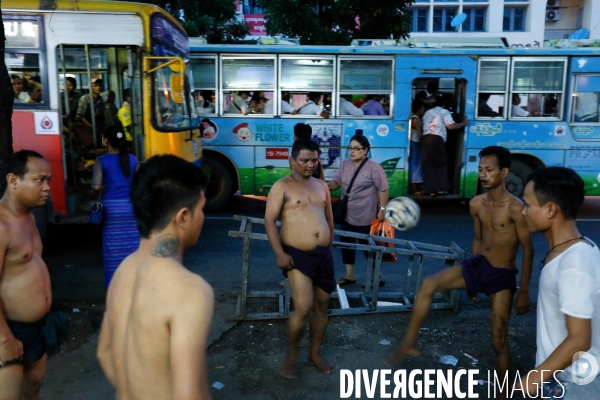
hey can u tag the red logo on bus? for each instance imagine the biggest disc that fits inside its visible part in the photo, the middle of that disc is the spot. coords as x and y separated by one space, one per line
277 153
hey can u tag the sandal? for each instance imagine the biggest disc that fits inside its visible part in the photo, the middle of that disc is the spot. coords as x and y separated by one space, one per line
420 193
345 281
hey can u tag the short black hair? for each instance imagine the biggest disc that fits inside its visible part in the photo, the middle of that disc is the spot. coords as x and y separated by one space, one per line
126 93
416 106
364 142
304 144
161 187
560 185
502 154
72 80
433 86
315 96
302 131
17 163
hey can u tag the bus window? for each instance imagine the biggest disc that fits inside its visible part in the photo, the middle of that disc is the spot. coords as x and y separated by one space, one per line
492 88
586 99
204 71
539 84
310 81
247 84
22 59
362 80
171 111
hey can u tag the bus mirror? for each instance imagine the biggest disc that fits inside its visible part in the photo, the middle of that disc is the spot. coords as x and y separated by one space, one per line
176 85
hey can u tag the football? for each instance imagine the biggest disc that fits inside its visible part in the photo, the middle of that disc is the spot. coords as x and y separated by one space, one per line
402 213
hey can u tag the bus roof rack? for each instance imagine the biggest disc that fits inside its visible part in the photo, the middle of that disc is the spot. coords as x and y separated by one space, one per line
454 42
373 42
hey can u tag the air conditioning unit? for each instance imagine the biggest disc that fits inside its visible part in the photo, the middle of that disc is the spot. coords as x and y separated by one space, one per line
552 3
552 15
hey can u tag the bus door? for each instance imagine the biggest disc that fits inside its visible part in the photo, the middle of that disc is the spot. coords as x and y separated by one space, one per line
455 76
99 73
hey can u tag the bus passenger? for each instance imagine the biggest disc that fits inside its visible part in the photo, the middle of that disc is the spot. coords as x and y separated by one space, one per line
517 110
20 95
84 109
347 108
257 103
434 159
72 97
286 107
124 116
483 109
35 92
416 126
238 104
373 105
206 106
311 107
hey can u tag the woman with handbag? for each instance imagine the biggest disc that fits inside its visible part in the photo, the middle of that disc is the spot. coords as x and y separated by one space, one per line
113 173
365 192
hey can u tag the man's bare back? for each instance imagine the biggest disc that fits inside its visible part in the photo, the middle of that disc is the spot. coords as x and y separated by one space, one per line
150 299
496 235
158 314
303 222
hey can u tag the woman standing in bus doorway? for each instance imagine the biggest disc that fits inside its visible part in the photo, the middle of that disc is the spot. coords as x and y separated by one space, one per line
113 173
367 198
416 131
434 159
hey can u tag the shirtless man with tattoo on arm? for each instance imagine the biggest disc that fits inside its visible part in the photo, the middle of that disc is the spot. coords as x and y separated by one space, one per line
158 314
25 294
499 230
303 251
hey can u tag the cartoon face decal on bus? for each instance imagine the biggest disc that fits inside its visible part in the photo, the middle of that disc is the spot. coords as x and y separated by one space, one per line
242 132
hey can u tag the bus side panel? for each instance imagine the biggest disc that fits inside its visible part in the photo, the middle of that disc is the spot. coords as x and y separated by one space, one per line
48 145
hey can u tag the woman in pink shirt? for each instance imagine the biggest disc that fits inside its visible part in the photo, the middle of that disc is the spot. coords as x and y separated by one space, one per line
366 200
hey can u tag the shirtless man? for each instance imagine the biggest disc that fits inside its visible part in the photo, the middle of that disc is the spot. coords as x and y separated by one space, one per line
158 314
303 250
499 230
25 295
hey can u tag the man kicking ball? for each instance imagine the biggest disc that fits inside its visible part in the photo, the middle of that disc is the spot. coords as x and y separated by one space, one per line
499 228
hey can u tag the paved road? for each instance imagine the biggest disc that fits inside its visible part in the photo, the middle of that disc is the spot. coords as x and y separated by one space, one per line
245 356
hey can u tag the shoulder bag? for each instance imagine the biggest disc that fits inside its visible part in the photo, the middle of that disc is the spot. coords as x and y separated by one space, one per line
95 215
340 207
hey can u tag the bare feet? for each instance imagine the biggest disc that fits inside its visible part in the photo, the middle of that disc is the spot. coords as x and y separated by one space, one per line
397 357
321 365
289 370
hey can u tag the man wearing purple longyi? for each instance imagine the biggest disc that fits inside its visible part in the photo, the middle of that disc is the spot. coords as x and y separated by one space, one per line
499 230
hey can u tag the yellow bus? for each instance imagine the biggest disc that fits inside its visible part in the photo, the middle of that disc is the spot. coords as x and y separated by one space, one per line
132 49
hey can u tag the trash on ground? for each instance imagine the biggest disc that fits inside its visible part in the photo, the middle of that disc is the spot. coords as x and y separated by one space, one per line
474 361
218 385
385 342
251 326
450 360
423 329
387 304
76 310
220 367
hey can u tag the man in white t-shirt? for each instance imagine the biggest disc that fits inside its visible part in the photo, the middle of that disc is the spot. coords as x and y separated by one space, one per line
311 107
286 108
568 309
238 104
517 110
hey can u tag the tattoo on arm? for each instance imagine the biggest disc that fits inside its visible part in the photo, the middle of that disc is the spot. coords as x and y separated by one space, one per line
165 246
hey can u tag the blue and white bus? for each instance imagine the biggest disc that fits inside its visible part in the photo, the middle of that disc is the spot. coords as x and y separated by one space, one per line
247 150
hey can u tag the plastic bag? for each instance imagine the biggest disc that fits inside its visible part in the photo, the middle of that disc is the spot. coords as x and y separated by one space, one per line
383 228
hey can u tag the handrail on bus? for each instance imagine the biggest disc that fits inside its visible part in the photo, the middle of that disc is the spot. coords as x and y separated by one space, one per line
173 61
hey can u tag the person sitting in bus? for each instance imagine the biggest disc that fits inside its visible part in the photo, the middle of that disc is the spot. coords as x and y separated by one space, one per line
311 107
110 109
286 107
35 92
124 116
257 102
517 110
72 97
206 106
84 108
18 85
347 108
238 104
483 109
373 105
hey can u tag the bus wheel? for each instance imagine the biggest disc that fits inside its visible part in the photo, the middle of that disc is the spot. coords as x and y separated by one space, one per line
516 179
219 187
